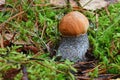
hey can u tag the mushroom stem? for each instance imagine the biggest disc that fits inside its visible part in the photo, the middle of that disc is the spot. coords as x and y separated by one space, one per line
74 48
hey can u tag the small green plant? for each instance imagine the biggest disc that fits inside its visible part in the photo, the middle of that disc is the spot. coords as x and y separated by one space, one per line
37 68
105 37
94 74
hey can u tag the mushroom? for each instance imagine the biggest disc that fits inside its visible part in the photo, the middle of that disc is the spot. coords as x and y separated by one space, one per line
74 42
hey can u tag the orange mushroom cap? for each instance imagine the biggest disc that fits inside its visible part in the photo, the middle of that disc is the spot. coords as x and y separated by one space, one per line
73 24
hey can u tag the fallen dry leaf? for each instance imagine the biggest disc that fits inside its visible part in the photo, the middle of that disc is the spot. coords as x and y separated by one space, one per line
2 2
112 1
8 36
93 4
11 73
58 2
86 4
26 49
62 3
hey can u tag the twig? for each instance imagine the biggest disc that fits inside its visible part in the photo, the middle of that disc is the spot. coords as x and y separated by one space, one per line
82 63
24 71
9 19
108 13
78 3
68 3
97 23
90 70
112 48
2 60
87 3
102 71
1 41
36 55
41 5
37 45
13 37
43 29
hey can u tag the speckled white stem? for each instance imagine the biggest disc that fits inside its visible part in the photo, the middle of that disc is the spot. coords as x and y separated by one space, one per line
73 48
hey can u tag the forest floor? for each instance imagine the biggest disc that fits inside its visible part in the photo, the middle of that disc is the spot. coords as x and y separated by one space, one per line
29 38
